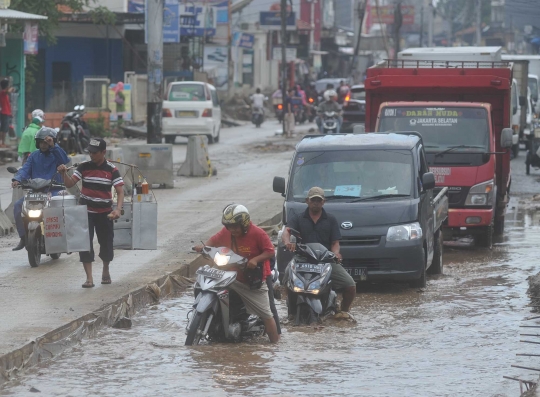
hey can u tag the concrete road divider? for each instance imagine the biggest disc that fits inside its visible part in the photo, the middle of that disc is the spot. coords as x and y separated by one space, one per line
6 227
197 160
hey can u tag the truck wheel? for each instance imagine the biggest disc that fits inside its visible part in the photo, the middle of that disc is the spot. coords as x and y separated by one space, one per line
421 282
437 265
486 239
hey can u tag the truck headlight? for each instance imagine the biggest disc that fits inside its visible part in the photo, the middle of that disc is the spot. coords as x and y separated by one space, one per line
411 231
481 194
34 213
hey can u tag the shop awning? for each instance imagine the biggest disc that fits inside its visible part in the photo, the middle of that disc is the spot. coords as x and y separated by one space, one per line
19 15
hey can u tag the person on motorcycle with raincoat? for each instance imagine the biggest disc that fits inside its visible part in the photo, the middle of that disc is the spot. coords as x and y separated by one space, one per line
248 240
329 105
40 164
27 145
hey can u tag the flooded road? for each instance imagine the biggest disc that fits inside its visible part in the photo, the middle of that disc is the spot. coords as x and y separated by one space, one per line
458 337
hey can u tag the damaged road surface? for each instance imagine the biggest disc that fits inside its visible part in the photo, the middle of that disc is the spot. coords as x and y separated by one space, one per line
458 337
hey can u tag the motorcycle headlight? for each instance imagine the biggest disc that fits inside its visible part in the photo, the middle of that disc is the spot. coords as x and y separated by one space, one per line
481 194
34 213
411 231
298 285
314 287
221 260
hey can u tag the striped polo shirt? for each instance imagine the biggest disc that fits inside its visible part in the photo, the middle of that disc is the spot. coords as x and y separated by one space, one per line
97 183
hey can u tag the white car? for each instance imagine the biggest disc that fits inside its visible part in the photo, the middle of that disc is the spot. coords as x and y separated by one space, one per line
191 108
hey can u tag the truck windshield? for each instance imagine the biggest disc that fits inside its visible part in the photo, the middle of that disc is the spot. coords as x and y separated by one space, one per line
353 173
441 128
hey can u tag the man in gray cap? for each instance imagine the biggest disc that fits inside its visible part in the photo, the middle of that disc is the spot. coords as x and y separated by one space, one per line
317 226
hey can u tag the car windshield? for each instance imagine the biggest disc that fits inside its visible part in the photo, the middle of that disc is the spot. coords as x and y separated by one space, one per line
352 173
187 92
533 86
441 128
359 94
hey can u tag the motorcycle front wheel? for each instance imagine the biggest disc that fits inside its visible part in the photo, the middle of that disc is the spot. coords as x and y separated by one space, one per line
196 327
305 315
33 246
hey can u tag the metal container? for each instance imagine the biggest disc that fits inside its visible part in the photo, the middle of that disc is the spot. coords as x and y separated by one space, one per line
137 228
154 160
63 201
66 229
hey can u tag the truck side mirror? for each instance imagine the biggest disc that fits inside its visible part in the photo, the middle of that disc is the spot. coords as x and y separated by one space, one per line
279 185
506 137
522 101
428 180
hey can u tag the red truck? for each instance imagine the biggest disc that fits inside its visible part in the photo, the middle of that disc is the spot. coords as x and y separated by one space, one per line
462 110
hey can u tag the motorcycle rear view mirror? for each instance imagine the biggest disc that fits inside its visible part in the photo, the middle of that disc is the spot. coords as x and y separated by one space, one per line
12 170
82 107
76 107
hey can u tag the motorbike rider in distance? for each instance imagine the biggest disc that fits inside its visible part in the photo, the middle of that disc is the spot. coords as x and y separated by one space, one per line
248 240
40 164
258 100
329 105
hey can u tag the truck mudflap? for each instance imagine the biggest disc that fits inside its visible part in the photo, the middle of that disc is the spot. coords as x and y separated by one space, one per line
440 208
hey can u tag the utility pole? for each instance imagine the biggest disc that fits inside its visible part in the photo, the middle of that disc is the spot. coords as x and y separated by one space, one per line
361 13
398 21
155 69
284 58
478 22
430 26
421 43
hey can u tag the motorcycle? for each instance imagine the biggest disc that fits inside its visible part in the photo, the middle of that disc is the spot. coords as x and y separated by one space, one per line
329 122
278 108
299 110
36 199
74 135
218 312
257 116
312 111
310 297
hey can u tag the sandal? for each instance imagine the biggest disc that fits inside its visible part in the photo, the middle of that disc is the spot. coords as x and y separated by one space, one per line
106 280
88 284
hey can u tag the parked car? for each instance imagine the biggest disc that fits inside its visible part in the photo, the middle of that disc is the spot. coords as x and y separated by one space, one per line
191 108
354 108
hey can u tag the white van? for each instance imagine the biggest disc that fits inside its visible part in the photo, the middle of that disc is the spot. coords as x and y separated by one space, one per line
191 108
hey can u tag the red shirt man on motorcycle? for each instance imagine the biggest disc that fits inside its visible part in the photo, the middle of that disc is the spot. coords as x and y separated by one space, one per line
250 241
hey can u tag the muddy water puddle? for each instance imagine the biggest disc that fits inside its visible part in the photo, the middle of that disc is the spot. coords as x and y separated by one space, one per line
457 337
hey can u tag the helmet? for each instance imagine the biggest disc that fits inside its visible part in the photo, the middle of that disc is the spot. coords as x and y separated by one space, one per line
329 94
236 214
38 113
43 133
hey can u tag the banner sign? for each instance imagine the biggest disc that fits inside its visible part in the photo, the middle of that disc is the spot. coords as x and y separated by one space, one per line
385 14
171 22
136 6
197 20
31 34
271 20
243 40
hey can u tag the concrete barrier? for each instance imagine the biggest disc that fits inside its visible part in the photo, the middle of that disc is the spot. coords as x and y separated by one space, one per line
6 225
197 160
154 160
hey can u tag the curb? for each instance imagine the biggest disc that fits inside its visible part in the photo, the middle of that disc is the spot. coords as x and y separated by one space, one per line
52 343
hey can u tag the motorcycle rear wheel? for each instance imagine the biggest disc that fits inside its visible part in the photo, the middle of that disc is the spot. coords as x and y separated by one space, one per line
196 327
33 246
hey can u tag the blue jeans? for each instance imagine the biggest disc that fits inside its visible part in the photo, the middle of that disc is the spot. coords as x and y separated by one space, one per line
318 121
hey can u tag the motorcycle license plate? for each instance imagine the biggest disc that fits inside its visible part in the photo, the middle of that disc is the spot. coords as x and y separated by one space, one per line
357 272
308 267
36 197
211 273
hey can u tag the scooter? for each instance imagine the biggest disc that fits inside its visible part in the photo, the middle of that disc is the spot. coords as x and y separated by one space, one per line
36 199
74 135
329 122
310 297
257 116
312 112
218 313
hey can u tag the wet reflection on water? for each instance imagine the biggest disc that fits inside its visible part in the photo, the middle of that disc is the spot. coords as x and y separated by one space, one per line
458 337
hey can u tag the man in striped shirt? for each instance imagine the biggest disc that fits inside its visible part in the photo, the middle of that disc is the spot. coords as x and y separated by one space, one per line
98 178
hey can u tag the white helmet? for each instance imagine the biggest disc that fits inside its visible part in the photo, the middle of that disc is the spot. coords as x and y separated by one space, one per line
330 94
38 113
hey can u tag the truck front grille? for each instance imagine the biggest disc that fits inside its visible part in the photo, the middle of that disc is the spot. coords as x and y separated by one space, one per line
360 241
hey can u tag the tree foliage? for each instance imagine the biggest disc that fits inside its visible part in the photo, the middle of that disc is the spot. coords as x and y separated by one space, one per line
50 9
